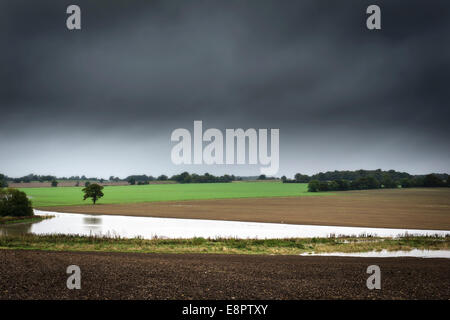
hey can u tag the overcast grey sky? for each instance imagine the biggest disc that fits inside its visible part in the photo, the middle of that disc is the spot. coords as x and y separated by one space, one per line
104 100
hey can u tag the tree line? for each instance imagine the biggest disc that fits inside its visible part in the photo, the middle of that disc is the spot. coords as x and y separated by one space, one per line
43 178
330 180
371 182
142 179
185 177
352 175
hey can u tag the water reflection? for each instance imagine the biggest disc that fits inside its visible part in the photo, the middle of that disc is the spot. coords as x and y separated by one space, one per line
15 229
92 220
92 224
146 227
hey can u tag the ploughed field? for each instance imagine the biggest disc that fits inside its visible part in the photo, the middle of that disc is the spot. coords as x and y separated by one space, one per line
416 208
42 275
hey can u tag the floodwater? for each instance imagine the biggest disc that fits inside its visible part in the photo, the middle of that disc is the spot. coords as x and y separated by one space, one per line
388 254
147 228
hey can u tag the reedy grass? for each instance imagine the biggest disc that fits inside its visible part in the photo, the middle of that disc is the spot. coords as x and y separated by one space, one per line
292 246
27 219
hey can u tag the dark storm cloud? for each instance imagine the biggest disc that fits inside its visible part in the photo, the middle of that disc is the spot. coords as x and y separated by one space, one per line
310 68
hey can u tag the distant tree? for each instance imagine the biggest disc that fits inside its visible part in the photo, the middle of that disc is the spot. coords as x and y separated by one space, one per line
365 183
343 185
417 182
14 203
283 179
302 178
162 177
226 178
262 177
139 178
132 181
448 181
323 186
187 178
93 191
432 180
3 182
406 183
77 184
333 186
54 183
388 182
313 186
373 183
184 177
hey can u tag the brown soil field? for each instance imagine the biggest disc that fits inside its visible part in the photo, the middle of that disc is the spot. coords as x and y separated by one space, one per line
42 275
425 208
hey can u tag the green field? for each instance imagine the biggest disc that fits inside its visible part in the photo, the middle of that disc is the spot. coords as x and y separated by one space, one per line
66 196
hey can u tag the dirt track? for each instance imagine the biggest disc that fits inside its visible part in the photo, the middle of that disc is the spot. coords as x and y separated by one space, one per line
42 275
427 208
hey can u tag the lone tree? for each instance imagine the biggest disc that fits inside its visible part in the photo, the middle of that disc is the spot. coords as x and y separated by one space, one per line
93 191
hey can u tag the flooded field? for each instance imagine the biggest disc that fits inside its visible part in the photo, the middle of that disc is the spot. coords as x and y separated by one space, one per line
148 227
388 254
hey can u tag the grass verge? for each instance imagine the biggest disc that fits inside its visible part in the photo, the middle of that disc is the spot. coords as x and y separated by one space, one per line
223 246
28 219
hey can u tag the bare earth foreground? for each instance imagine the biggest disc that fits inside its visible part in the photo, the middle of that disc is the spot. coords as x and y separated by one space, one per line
42 275
426 208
